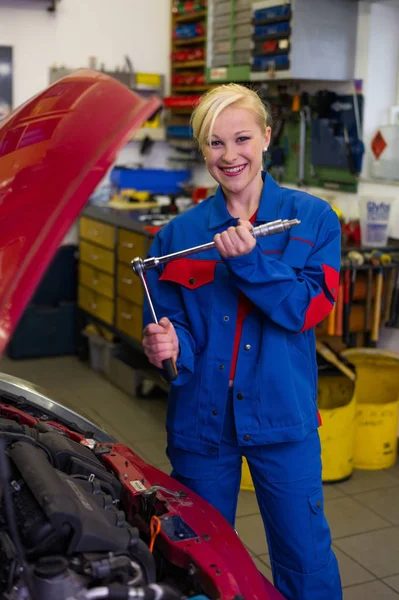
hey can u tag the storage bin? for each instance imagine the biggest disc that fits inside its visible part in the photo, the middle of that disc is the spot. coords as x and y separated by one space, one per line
45 331
261 31
337 407
377 398
274 12
155 181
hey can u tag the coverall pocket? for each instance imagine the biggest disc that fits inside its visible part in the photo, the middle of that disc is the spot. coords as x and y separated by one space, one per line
190 273
320 529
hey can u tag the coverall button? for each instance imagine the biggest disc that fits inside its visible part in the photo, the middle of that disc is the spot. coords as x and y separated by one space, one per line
221 367
215 413
247 347
212 449
226 318
240 396
318 504
247 438
191 281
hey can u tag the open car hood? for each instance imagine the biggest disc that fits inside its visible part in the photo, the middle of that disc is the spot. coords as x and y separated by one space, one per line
54 150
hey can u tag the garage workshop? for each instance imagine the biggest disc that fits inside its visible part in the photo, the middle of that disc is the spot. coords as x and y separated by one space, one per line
199 299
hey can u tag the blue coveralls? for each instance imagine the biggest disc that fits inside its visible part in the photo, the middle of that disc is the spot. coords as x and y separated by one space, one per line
270 414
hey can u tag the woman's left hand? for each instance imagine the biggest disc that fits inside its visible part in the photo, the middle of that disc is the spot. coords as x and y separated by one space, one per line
235 241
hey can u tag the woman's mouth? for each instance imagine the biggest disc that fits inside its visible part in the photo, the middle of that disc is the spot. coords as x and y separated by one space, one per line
233 171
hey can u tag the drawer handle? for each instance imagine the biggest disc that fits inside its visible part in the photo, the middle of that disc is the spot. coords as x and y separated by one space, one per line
127 245
94 257
126 316
127 281
94 281
93 305
93 232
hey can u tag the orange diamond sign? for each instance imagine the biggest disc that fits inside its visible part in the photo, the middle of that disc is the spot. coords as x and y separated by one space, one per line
378 144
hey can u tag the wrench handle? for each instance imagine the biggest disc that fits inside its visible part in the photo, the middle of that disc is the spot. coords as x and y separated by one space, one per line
170 367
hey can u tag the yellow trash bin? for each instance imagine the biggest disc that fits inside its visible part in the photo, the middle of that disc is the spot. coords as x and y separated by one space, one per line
246 479
337 407
377 398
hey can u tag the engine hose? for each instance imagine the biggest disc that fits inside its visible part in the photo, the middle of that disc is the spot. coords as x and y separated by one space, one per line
151 592
20 437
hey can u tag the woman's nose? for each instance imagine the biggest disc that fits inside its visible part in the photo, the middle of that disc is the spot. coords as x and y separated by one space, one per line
230 153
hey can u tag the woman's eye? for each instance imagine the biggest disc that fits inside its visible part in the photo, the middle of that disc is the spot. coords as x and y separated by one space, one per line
215 143
243 138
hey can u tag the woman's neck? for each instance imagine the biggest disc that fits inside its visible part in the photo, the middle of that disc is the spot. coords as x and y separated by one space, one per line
244 204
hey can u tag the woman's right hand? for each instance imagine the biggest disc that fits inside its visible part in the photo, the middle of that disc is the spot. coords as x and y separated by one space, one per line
160 342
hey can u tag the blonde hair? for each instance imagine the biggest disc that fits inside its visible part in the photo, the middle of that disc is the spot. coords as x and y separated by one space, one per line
217 99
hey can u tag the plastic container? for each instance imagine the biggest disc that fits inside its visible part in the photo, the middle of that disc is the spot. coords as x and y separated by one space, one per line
337 407
377 398
155 181
375 220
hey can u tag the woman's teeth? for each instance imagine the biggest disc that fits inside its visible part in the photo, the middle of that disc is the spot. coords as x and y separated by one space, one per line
233 169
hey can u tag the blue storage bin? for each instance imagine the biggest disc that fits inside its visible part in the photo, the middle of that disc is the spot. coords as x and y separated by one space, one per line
273 29
155 181
180 131
265 62
274 12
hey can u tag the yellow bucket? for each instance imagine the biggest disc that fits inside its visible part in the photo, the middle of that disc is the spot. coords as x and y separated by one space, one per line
337 407
246 479
377 397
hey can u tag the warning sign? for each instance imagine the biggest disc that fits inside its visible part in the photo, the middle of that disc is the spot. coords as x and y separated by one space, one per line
378 144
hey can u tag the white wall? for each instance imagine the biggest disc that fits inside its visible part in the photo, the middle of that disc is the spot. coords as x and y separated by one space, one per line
106 29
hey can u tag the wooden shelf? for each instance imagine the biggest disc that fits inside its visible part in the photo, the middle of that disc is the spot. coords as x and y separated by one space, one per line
200 14
189 41
188 88
189 64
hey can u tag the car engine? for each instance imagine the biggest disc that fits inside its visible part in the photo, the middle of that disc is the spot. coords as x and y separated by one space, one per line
61 515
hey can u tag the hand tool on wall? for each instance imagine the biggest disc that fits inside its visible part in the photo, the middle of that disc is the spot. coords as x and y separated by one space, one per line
140 267
377 308
394 312
339 309
356 260
369 299
390 284
346 306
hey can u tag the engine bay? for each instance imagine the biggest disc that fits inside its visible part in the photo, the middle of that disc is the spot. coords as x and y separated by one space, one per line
70 520
83 517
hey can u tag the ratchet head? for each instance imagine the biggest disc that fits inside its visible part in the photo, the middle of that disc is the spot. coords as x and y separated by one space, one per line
138 266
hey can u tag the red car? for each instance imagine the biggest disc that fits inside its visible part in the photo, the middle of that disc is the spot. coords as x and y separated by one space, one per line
83 517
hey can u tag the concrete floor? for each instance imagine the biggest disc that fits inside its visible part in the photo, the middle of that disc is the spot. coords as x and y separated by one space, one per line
363 512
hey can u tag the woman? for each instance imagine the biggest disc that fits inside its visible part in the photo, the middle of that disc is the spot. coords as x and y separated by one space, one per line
238 320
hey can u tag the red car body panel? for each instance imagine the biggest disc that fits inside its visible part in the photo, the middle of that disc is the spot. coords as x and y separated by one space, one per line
54 150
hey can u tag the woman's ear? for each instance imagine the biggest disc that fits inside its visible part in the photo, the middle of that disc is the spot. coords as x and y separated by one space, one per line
267 137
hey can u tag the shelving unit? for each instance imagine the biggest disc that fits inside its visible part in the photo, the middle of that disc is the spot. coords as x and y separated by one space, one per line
188 62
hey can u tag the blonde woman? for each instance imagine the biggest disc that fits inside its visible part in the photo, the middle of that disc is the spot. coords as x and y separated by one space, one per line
239 322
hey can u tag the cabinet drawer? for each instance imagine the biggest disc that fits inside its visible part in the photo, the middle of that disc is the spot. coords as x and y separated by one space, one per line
96 280
129 285
129 319
97 305
97 232
97 257
130 245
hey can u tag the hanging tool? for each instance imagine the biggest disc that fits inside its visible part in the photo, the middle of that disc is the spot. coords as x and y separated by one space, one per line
347 306
356 260
388 295
377 309
369 298
140 267
339 309
394 313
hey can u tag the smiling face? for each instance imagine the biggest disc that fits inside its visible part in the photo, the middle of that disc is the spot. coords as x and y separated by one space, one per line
234 154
